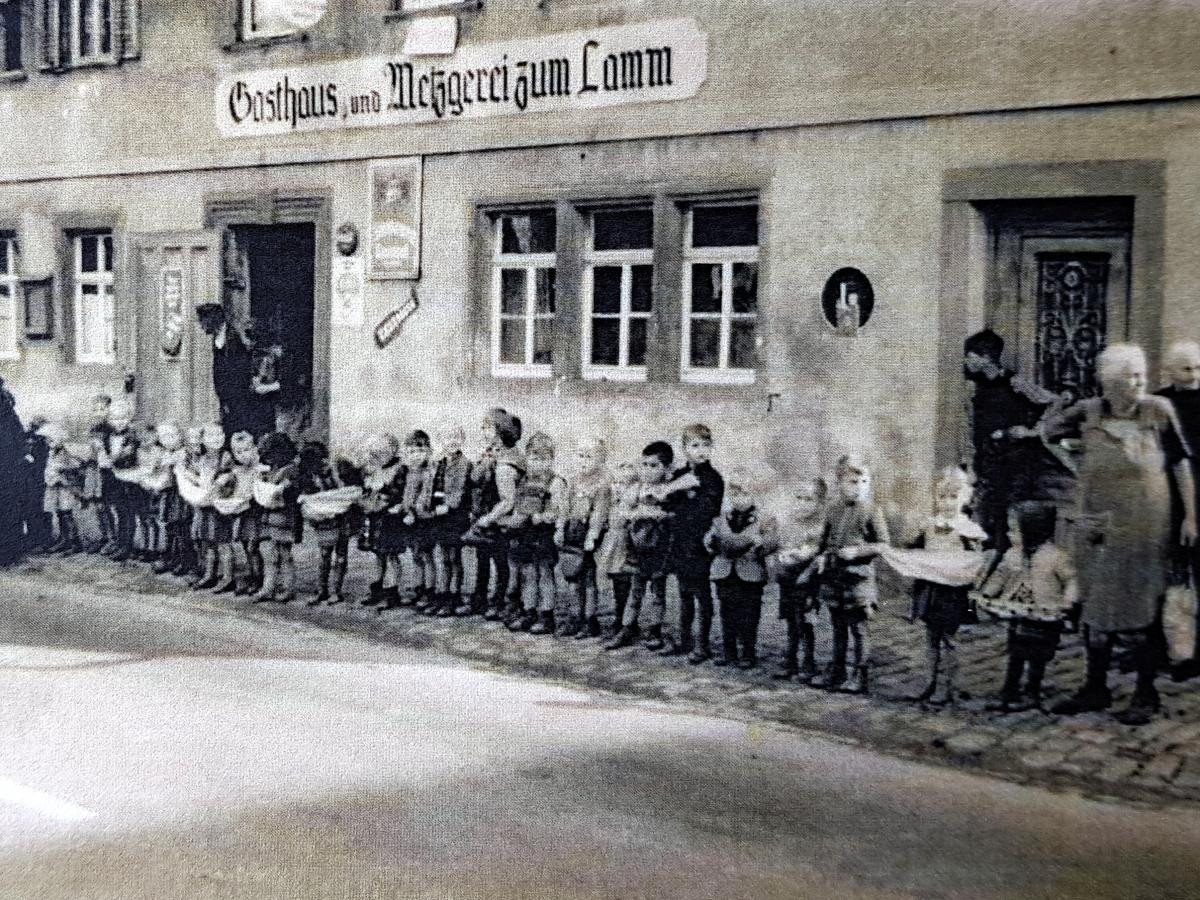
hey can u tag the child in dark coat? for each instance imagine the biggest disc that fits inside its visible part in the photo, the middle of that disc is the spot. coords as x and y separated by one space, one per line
694 502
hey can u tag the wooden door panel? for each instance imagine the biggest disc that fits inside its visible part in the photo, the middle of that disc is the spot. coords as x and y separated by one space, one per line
176 271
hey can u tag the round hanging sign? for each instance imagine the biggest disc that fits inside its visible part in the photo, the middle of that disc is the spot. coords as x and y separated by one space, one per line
848 300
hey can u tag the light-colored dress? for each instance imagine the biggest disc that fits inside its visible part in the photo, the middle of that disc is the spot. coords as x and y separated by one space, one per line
1121 526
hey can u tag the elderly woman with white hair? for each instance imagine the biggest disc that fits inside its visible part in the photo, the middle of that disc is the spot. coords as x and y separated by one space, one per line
1124 537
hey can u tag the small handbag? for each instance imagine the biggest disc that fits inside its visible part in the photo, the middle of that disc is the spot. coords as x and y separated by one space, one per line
1179 615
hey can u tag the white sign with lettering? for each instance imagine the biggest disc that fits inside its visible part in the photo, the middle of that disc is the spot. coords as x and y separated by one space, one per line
661 60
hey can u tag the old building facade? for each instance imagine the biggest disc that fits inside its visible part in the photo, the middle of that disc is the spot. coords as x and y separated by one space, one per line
778 217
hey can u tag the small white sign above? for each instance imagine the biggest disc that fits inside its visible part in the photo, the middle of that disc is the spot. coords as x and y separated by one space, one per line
656 61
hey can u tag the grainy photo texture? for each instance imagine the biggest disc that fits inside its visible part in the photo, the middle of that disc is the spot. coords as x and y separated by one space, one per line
599 449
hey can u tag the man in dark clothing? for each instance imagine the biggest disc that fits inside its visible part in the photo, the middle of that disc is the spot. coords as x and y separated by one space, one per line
1009 466
38 532
12 456
1183 370
233 368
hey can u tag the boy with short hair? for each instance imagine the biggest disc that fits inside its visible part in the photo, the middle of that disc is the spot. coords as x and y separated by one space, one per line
741 540
695 502
648 546
855 533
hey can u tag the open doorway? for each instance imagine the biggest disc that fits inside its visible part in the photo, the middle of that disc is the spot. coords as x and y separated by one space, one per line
281 276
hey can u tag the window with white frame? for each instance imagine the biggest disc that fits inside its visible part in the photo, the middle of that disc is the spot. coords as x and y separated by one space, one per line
524 293
86 32
720 293
10 287
95 314
618 293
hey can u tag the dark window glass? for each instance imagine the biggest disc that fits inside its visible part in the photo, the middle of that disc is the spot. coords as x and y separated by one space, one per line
725 226
512 341
706 340
108 247
512 292
606 341
606 289
545 290
3 256
745 287
706 287
623 229
532 232
543 338
741 345
642 289
89 259
637 342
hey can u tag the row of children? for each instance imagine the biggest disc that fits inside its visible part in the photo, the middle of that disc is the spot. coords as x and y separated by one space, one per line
204 506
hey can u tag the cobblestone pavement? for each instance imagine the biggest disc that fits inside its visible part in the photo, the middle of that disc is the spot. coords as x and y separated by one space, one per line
1159 762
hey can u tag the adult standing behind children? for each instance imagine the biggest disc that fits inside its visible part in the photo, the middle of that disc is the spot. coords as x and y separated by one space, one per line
1183 370
1124 538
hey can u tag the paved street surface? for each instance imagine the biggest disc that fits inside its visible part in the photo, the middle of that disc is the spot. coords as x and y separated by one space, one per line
153 747
1092 753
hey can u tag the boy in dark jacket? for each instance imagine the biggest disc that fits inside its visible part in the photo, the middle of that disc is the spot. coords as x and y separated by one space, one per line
695 501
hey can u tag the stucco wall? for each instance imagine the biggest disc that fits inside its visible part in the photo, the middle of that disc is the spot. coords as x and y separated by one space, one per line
863 195
771 63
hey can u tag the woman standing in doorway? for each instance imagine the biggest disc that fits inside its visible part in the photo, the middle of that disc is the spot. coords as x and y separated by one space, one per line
1123 535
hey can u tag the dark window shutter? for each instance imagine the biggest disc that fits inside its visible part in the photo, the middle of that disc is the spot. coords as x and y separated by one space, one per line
128 28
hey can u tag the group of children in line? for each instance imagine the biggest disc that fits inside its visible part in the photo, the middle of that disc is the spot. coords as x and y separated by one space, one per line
225 511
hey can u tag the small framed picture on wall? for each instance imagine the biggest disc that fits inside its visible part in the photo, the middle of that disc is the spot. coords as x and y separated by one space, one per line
394 245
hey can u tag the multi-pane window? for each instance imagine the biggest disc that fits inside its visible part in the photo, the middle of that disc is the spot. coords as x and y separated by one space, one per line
10 36
618 293
9 291
86 32
92 279
524 293
720 292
